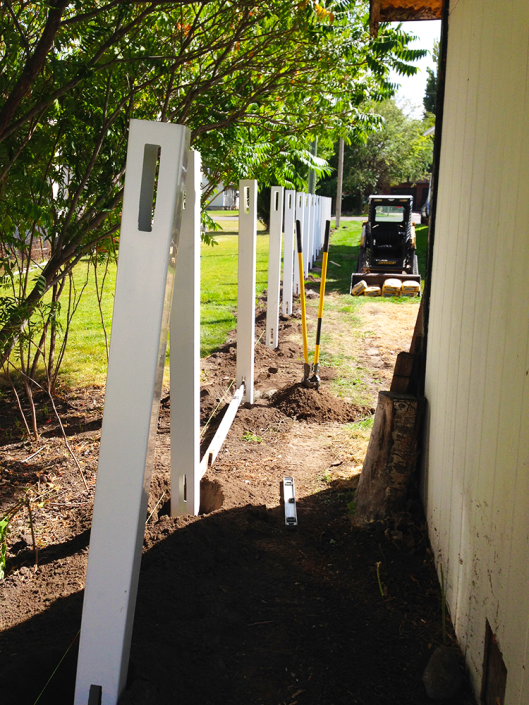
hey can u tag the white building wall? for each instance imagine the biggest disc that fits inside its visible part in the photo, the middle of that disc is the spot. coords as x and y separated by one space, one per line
477 377
222 197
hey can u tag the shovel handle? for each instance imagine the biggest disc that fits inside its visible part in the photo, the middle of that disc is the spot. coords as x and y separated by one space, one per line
302 293
322 288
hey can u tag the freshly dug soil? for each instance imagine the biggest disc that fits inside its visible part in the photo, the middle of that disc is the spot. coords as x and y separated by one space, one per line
233 608
318 405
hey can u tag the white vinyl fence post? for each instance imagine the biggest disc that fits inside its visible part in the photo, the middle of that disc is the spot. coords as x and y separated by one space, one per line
185 354
140 323
300 215
315 229
274 266
288 251
315 235
246 286
316 241
321 222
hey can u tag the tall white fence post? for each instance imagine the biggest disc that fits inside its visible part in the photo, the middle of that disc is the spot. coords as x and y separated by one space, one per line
185 354
300 215
288 251
319 210
246 286
135 372
316 238
314 226
274 266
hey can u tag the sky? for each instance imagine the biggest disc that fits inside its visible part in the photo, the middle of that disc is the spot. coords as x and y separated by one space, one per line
412 88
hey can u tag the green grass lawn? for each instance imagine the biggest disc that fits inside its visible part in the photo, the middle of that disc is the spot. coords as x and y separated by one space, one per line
218 296
342 320
224 214
85 362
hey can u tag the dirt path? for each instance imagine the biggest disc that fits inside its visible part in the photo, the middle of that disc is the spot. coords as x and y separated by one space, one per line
233 608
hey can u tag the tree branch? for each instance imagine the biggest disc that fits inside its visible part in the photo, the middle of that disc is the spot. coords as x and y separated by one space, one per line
34 65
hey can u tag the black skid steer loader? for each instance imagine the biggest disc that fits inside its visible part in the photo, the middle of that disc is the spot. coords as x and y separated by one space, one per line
387 247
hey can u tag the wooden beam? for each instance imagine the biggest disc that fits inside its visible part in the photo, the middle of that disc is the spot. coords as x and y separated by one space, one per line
403 372
391 458
403 11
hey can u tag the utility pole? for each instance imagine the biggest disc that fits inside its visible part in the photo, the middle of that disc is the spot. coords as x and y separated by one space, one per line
312 173
339 185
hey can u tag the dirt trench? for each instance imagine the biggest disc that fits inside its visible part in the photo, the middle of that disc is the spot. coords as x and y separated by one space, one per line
233 608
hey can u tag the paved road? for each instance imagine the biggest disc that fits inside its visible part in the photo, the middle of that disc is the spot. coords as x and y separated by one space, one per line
416 217
236 217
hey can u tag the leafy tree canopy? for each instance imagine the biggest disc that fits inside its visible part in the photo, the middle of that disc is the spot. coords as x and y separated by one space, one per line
397 151
255 82
430 95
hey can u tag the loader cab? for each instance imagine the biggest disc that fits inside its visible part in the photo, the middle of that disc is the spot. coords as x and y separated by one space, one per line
389 242
387 246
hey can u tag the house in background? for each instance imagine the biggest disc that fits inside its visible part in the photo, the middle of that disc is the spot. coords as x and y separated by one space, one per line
476 460
417 189
224 198
40 247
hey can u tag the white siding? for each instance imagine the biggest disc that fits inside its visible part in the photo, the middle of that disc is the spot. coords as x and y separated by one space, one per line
477 377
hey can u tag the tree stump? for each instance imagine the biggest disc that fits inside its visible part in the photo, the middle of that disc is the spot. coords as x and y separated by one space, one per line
391 457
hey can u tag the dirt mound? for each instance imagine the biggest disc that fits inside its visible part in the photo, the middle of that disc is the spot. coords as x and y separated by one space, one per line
314 405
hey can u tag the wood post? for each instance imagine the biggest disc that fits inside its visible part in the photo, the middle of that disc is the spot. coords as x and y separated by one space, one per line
391 457
339 184
402 373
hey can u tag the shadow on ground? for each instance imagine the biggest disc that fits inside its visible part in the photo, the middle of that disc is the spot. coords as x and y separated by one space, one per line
235 609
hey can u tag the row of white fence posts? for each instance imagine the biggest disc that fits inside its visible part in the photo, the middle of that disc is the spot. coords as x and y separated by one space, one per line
312 211
154 252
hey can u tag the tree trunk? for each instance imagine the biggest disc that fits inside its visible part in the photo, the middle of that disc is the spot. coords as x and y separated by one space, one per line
391 457
34 65
339 184
359 203
20 314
